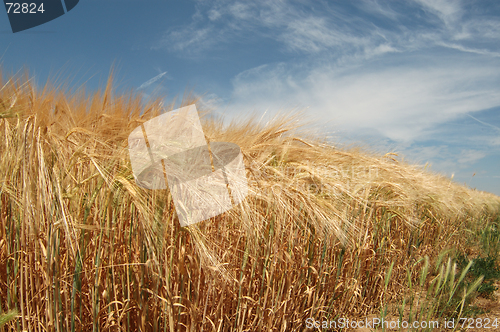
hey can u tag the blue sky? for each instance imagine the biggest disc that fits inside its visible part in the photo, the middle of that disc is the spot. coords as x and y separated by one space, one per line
419 77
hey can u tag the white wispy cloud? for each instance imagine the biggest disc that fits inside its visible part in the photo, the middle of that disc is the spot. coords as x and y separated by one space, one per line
400 102
379 8
494 141
329 25
468 49
471 156
315 34
400 76
449 11
225 22
182 40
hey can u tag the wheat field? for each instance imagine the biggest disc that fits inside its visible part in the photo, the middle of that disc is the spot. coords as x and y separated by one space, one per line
324 233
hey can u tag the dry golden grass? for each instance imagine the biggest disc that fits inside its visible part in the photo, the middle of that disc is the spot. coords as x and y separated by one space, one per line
324 232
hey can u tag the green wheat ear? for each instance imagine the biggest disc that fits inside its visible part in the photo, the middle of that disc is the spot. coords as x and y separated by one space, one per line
7 317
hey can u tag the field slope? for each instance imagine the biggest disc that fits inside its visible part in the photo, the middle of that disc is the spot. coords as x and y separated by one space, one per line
325 233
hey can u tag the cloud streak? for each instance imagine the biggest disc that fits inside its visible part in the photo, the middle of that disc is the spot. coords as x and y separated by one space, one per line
149 82
484 123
